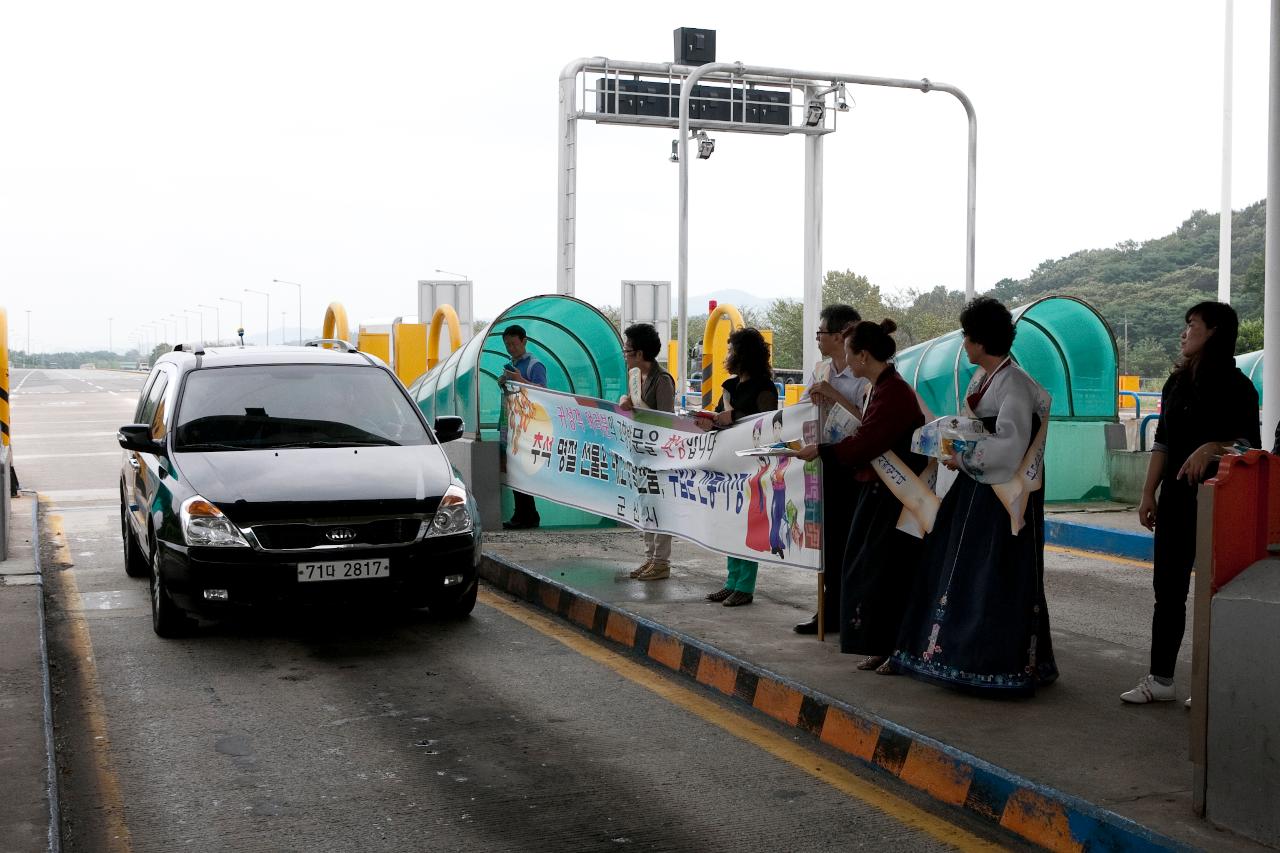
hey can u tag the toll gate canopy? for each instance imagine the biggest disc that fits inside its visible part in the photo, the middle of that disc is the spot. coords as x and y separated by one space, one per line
1250 365
580 348
1066 346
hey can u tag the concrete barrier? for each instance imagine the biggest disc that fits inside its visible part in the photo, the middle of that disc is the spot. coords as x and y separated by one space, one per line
1244 692
1127 471
477 462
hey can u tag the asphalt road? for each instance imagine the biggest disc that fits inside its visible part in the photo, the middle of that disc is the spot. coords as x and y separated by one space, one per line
387 730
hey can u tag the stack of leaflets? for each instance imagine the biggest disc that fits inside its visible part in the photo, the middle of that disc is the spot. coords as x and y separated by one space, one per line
949 436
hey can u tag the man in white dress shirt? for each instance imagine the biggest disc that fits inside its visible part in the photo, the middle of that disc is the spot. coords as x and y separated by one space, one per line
833 384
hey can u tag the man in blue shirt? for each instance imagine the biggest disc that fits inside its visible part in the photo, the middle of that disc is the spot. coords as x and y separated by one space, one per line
523 368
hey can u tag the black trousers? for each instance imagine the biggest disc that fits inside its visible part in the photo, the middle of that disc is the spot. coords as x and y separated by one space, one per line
1175 553
838 500
526 510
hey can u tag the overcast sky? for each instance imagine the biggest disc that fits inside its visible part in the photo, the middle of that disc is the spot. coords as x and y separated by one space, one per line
156 156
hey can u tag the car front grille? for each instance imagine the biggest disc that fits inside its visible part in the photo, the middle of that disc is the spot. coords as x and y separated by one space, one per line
337 534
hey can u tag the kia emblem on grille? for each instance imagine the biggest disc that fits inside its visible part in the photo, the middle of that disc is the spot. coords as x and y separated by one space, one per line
340 534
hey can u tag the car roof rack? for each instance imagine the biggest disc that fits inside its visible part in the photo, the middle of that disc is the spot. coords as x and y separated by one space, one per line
195 349
346 346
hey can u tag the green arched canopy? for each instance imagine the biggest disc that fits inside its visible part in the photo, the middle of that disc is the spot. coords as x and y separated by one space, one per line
1061 341
1251 365
579 346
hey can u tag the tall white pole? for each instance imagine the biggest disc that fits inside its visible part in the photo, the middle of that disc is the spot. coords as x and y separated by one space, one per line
1271 288
812 238
1224 226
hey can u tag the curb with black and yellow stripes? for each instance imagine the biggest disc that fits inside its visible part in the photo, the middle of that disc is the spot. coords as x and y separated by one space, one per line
1041 815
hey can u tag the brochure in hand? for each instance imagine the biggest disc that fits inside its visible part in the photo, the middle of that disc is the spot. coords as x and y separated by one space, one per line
949 436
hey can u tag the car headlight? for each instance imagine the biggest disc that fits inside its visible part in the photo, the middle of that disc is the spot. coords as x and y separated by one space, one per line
204 524
452 516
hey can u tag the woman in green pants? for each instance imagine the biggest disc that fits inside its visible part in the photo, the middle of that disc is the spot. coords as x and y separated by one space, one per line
748 392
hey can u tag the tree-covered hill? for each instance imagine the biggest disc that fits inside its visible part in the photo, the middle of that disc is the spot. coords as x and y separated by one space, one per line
1150 285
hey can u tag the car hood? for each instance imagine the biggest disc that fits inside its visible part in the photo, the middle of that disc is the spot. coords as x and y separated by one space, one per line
256 485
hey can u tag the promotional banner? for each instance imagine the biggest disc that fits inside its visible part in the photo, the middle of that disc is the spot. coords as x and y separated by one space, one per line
664 473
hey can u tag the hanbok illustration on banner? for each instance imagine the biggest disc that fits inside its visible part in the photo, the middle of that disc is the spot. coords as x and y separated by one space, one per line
758 508
977 618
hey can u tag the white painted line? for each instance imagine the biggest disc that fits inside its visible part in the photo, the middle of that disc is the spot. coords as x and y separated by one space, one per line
30 373
24 457
48 435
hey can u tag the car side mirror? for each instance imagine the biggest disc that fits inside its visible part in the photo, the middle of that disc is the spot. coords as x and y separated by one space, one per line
137 437
448 428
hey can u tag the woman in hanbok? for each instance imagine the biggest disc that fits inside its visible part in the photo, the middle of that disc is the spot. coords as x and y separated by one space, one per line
758 508
778 532
880 560
977 619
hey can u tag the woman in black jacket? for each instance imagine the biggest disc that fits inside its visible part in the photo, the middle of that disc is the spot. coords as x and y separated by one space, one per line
1207 406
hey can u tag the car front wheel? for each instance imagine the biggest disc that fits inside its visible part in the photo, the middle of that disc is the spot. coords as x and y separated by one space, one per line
167 619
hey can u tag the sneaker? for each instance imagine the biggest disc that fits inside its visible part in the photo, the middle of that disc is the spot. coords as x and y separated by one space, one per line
655 572
738 599
639 570
1148 690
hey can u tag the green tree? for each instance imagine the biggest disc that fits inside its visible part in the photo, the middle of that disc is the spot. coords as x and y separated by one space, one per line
1149 358
930 314
1250 339
786 318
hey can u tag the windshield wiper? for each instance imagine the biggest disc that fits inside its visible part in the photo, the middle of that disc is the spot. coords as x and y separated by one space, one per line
200 447
383 442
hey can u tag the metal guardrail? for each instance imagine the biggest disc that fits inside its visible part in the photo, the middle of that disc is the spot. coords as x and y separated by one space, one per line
1137 399
1142 432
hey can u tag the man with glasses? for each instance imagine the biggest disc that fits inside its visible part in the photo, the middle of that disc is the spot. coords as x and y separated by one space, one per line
833 384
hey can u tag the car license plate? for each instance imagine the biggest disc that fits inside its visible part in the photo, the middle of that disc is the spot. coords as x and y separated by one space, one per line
343 570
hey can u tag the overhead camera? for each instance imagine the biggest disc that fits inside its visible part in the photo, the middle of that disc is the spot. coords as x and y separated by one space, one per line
813 113
706 145
842 99
675 151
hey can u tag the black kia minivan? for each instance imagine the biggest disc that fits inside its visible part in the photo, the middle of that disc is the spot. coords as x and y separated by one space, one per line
276 475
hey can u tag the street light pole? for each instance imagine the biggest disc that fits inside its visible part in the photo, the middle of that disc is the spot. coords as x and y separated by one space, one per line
200 316
237 302
109 319
267 331
299 286
28 337
217 322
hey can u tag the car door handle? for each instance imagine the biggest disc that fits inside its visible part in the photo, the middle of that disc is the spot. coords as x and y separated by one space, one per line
133 460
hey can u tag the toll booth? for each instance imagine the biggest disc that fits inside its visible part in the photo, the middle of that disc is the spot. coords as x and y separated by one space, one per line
582 352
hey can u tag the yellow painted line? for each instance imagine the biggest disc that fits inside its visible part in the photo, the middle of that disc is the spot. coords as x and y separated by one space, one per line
111 802
757 735
1094 555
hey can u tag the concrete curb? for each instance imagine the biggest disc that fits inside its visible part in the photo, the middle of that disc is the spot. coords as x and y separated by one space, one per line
1041 815
1104 540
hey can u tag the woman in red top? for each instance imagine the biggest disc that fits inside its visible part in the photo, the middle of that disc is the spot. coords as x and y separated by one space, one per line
879 559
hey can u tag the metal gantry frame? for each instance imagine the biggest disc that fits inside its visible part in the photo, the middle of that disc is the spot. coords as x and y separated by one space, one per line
813 85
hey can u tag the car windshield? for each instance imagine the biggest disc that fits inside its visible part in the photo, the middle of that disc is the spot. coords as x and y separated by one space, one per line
303 405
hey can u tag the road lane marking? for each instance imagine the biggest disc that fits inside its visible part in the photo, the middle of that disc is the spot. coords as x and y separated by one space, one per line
30 373
46 435
111 801
26 457
1095 555
745 729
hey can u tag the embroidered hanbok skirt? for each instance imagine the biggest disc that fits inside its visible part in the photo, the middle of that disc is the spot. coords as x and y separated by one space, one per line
977 619
880 568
